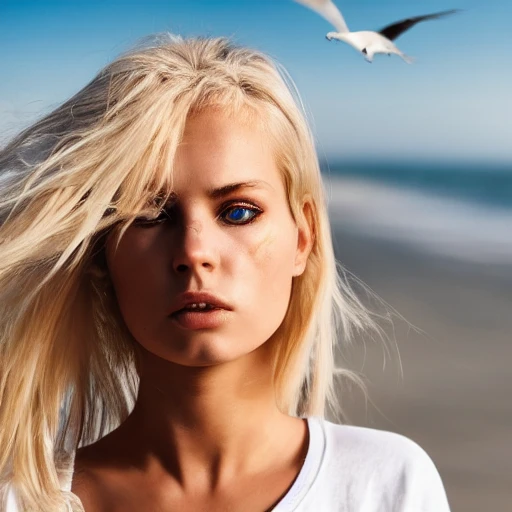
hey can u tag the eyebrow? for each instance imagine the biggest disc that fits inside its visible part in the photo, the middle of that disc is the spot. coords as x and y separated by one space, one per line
225 190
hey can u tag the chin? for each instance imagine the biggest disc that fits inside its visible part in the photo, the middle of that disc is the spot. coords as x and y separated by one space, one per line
199 353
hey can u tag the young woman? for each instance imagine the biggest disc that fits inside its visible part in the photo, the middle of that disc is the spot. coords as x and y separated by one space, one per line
169 303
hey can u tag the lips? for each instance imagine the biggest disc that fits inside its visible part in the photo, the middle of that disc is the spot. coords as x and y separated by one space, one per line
186 301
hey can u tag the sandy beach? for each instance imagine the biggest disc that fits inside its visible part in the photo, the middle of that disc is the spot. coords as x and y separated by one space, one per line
454 395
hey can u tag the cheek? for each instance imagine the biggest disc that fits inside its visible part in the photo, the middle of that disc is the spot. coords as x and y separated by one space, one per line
134 270
136 258
273 256
275 250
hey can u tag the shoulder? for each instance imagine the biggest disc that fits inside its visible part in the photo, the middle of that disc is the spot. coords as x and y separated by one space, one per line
377 446
101 479
89 480
389 466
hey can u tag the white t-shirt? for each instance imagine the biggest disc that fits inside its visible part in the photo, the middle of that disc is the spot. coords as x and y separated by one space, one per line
355 469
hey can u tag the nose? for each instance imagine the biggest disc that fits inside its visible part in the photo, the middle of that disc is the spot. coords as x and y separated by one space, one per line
195 250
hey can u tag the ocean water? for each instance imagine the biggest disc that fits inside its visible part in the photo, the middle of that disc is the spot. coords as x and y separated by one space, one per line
463 212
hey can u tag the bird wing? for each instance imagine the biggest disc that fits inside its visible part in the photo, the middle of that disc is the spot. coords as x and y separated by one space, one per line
398 28
329 11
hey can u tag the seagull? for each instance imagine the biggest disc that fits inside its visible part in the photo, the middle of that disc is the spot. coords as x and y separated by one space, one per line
368 42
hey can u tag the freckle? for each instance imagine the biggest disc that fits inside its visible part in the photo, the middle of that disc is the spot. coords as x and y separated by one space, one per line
261 249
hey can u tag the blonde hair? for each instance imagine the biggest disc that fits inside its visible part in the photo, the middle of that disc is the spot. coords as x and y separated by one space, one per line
67 363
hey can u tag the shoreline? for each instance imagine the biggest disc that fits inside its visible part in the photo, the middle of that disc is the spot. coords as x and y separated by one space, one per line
453 397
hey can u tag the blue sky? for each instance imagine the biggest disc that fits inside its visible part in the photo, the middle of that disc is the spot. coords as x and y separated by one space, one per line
453 103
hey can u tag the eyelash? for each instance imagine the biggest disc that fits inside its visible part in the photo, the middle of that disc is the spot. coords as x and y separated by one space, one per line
225 208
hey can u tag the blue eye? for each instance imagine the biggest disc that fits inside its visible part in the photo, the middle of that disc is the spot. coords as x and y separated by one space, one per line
240 214
235 215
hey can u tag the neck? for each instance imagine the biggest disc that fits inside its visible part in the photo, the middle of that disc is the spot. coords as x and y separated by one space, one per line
205 399
223 417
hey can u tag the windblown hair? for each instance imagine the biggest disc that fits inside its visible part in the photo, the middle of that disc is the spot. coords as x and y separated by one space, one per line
68 365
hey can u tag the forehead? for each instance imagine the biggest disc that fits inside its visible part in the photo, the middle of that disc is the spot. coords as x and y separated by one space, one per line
218 149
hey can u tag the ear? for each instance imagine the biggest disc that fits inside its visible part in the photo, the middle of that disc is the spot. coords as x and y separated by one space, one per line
305 238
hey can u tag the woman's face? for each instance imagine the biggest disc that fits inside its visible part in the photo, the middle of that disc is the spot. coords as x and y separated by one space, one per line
228 233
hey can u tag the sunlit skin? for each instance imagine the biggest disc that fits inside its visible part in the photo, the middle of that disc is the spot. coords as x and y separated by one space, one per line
205 434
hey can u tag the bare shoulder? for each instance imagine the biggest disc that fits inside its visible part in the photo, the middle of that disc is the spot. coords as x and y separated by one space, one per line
91 479
88 489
